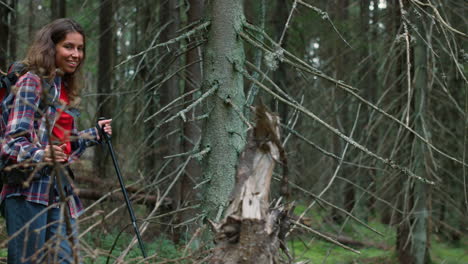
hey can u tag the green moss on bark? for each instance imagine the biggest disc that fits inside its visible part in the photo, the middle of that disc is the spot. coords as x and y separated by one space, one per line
223 131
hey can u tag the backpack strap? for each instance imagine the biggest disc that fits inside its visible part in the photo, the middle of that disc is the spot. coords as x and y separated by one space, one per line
18 68
7 81
15 70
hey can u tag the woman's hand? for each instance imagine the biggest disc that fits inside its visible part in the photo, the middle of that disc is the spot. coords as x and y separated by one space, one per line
106 124
58 153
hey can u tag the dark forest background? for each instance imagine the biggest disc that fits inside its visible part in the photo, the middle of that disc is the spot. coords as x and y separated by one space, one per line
372 97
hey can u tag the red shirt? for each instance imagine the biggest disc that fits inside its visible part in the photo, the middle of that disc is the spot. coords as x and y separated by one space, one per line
64 125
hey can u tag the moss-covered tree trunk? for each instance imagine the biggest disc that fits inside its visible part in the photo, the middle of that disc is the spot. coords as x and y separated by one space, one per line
421 163
223 131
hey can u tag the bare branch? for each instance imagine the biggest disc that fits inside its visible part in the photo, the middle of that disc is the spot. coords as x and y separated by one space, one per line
186 35
439 17
329 239
408 61
351 90
388 162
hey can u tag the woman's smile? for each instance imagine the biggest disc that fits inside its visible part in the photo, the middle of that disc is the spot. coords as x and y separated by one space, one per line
69 52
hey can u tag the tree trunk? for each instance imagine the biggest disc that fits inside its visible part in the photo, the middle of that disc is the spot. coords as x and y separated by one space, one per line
193 80
258 14
280 76
397 71
58 8
223 131
13 32
364 83
339 14
251 232
31 17
420 238
402 190
148 73
105 74
169 92
4 33
8 33
413 240
373 87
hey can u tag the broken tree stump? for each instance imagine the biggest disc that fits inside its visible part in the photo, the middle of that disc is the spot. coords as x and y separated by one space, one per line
251 231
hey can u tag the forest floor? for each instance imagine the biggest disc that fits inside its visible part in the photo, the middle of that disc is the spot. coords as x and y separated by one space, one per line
302 245
379 249
323 252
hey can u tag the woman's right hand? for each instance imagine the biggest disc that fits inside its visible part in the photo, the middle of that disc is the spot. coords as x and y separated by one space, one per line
58 151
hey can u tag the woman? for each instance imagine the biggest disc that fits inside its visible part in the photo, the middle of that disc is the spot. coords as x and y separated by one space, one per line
47 139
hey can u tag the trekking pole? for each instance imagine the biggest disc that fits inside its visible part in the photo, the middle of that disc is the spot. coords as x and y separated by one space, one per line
107 139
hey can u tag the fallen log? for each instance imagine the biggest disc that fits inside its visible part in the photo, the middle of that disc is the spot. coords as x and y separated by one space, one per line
149 200
106 184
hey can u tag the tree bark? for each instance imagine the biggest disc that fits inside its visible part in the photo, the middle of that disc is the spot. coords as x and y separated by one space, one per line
280 76
13 32
105 74
341 110
193 80
223 132
4 33
251 232
147 21
412 236
170 88
31 19
171 145
59 8
420 238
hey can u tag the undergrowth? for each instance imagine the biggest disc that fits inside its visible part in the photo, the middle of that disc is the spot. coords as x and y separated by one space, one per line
302 245
306 246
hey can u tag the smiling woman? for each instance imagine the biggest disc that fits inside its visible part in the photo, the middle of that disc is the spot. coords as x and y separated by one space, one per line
48 141
69 52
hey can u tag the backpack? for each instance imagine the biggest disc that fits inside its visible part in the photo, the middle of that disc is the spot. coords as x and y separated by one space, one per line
16 175
8 80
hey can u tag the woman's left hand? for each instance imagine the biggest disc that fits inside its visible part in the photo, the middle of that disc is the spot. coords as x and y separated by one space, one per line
107 126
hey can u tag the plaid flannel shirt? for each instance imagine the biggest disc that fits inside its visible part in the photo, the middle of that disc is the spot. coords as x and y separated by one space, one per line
26 137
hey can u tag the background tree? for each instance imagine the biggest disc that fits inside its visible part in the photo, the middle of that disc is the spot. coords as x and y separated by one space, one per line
105 72
58 8
224 131
5 14
372 99
191 137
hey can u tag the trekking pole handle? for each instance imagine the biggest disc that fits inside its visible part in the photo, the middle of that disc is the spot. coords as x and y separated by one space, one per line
101 131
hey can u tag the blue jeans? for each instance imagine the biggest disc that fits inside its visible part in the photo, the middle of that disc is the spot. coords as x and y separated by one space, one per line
37 242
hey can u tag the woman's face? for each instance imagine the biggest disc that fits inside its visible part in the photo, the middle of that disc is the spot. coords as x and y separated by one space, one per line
69 52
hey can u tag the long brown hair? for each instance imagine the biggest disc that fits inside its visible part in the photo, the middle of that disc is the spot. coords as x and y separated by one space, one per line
41 54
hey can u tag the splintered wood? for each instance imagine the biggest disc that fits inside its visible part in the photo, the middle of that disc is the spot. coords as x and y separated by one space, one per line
251 231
